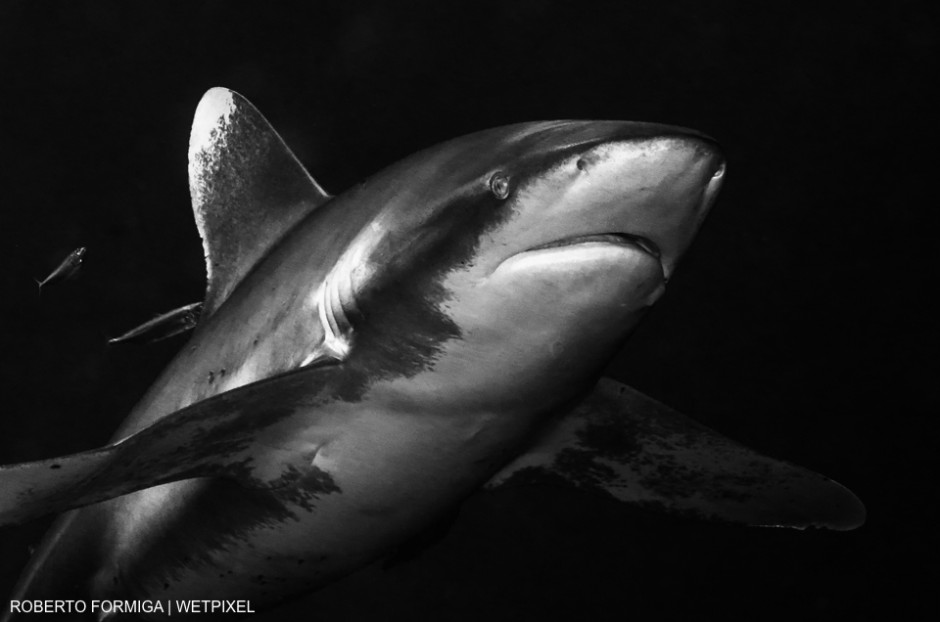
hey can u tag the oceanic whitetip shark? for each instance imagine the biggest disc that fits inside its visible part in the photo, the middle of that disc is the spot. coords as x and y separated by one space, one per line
364 362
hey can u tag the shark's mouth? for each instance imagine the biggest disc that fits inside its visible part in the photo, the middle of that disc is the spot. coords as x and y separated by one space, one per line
618 239
594 249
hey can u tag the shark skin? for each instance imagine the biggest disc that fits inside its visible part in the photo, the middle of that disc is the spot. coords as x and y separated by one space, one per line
364 362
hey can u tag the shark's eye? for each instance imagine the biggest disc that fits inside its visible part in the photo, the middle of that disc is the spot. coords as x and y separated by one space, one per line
499 185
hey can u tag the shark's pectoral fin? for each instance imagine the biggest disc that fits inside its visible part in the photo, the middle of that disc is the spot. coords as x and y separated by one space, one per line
245 434
625 445
247 188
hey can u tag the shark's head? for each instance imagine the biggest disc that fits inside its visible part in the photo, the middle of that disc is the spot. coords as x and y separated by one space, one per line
589 186
532 248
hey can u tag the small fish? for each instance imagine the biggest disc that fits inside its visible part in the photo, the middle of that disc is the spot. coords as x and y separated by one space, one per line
67 269
163 326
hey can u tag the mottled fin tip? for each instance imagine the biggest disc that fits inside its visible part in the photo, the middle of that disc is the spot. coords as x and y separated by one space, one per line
247 189
217 437
625 445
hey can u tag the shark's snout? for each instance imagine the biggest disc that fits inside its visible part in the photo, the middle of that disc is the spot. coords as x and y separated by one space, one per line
715 168
706 179
714 184
655 189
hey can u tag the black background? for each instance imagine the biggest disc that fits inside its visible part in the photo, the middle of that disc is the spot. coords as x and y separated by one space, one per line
797 323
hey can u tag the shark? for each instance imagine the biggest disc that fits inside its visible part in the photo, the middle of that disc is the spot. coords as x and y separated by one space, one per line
364 362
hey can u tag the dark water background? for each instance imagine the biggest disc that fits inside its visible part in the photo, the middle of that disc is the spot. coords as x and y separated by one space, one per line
798 323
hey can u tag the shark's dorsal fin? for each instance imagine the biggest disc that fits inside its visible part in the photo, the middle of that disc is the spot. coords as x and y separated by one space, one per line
247 188
625 445
238 435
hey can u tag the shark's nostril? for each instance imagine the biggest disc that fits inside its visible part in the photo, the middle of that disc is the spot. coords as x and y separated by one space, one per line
719 170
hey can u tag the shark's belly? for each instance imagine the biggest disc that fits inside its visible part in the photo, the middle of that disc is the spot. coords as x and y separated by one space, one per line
384 480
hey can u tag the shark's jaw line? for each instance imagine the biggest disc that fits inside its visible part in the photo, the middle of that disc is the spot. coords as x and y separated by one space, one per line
595 253
613 239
